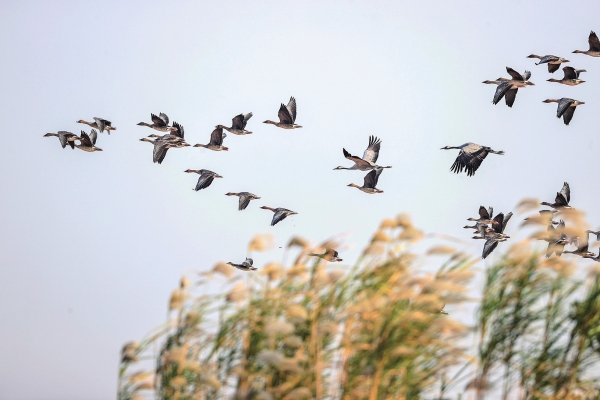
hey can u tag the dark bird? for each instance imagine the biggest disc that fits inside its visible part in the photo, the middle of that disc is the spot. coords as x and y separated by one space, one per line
238 124
594 43
369 158
205 179
509 88
245 198
216 141
161 146
370 182
571 77
280 214
160 123
330 255
88 143
552 61
566 108
99 123
470 157
245 266
485 216
562 199
287 116
65 138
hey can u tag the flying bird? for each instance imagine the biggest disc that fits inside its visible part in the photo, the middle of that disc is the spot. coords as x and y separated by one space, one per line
280 214
65 138
245 198
370 182
566 108
509 88
562 199
330 255
287 116
160 123
245 266
216 141
369 158
99 123
238 124
205 179
162 145
594 43
88 143
485 216
582 249
552 61
470 157
571 77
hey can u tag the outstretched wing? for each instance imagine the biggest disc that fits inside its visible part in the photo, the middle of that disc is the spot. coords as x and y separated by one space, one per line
372 177
164 117
505 221
237 122
594 42
357 160
284 115
483 213
205 180
85 140
469 158
569 73
93 136
489 246
246 118
179 130
563 105
515 75
498 221
510 97
568 115
501 91
566 192
292 108
244 201
157 120
372 152
278 216
216 137
159 152
101 123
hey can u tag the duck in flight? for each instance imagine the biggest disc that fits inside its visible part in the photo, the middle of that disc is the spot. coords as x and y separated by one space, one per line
65 138
205 179
287 116
594 43
280 214
370 182
369 158
562 200
88 143
330 255
571 77
238 124
245 198
216 140
163 144
99 123
485 217
582 249
552 61
566 108
160 123
509 88
245 266
470 157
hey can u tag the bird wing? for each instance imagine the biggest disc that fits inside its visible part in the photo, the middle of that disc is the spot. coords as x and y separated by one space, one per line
566 191
279 215
101 123
179 132
246 118
569 73
553 67
216 137
568 115
357 160
372 152
244 201
489 246
490 211
85 139
501 91
594 42
526 75
505 221
292 108
497 226
560 200
159 152
370 179
510 96
237 122
62 137
481 228
157 120
93 136
284 115
563 105
483 213
470 158
205 180
516 76
164 117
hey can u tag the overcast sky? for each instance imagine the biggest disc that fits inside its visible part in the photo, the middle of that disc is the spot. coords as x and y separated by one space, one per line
92 243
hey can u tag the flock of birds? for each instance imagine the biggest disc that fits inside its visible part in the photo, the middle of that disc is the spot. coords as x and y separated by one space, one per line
471 155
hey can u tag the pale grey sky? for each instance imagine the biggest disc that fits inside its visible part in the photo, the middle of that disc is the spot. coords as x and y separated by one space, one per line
93 243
